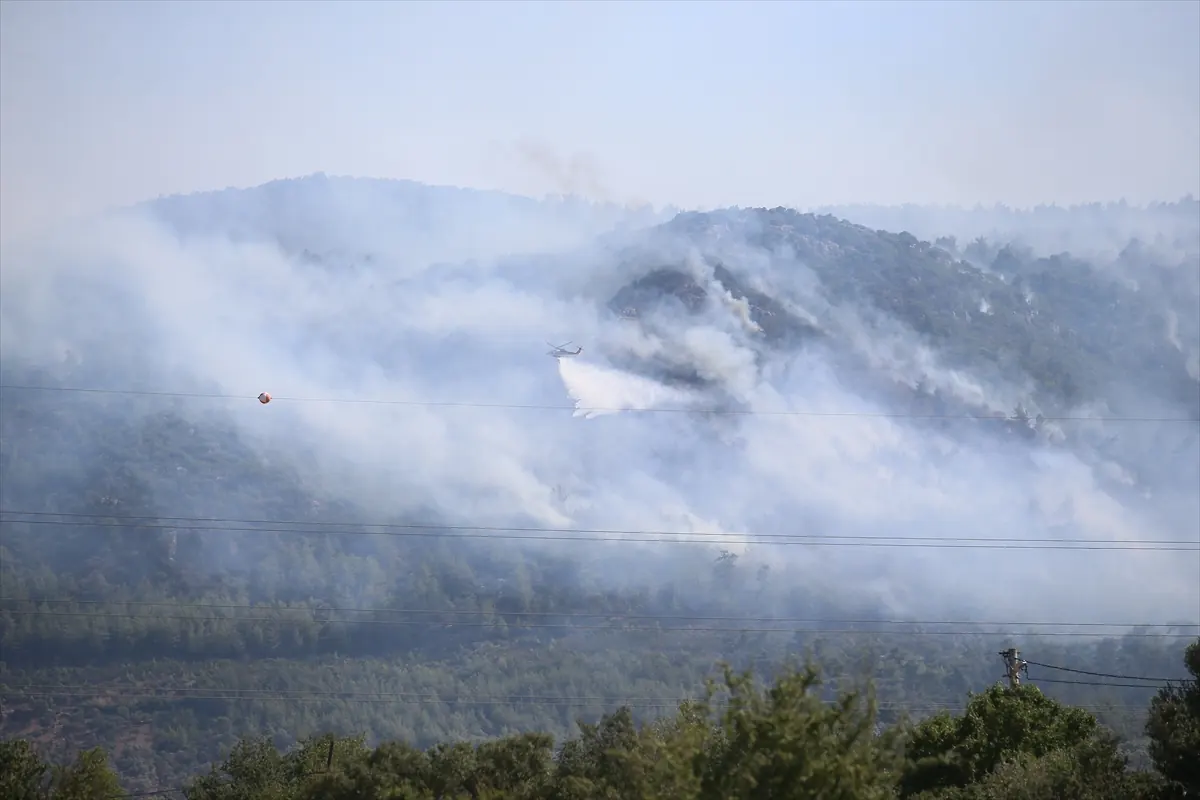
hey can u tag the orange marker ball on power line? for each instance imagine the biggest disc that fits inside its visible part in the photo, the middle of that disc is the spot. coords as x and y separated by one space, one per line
264 398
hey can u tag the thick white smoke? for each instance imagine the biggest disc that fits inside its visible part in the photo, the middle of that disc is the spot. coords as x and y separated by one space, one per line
461 418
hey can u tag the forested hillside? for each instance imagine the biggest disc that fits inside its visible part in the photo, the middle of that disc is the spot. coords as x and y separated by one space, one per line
787 437
736 740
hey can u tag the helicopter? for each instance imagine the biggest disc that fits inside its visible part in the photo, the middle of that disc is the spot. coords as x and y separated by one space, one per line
560 351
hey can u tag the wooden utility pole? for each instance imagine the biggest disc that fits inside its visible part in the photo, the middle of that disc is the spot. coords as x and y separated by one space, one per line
1014 666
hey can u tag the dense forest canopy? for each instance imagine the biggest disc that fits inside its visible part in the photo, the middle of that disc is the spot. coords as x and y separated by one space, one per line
738 740
788 435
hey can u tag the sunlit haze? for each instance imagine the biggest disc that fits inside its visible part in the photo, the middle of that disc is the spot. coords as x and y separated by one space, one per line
691 104
436 373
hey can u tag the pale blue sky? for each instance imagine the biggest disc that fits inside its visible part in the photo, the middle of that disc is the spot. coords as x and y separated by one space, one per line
692 103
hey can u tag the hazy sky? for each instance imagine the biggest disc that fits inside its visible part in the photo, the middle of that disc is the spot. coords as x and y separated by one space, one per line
692 103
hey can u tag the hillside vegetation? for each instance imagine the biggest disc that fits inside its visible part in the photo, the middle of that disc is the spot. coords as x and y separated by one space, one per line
781 741
834 443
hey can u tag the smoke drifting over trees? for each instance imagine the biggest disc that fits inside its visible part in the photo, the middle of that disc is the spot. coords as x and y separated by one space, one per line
782 415
840 347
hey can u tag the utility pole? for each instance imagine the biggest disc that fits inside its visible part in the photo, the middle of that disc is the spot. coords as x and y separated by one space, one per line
1014 666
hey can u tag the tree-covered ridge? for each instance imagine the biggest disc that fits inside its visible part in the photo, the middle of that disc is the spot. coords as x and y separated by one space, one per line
1039 336
1067 324
738 740
178 581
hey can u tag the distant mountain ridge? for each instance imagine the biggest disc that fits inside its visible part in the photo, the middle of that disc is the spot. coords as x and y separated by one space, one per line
450 299
299 213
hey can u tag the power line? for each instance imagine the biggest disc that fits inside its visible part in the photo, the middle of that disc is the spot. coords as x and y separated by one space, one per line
188 693
1101 674
429 530
1016 665
435 526
415 698
585 627
579 614
1093 683
551 407
1108 708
